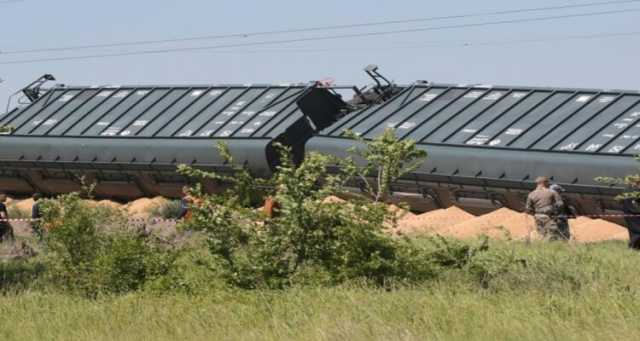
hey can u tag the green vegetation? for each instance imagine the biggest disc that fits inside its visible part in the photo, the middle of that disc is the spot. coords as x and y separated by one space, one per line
387 160
630 182
309 240
315 269
556 292
6 129
90 253
168 210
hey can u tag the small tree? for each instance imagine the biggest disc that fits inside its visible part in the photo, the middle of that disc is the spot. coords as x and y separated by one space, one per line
387 160
5 129
630 182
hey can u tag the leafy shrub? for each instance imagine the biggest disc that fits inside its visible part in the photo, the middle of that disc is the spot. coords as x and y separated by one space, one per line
194 271
309 239
89 251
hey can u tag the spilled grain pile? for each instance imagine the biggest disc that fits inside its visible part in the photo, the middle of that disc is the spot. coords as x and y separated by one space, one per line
104 203
503 223
144 207
400 212
110 204
508 224
332 199
587 230
624 235
23 205
431 222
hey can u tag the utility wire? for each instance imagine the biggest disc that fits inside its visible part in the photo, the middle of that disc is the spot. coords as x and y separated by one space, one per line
437 44
318 38
560 38
315 29
10 1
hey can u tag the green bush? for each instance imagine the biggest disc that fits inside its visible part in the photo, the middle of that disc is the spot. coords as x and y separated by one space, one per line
194 271
308 240
91 252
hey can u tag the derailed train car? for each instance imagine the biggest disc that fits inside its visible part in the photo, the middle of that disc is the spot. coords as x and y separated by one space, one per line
129 140
486 144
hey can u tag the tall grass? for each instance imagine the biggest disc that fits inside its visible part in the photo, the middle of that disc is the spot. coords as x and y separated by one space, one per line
556 291
348 313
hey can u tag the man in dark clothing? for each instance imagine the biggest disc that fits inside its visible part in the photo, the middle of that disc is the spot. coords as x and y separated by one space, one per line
6 231
184 208
563 215
36 214
631 210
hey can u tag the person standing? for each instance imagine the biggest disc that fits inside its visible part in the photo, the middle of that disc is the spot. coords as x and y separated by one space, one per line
185 203
631 210
6 231
36 215
543 204
564 213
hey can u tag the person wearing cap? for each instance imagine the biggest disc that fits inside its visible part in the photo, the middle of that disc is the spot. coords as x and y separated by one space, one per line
543 204
564 214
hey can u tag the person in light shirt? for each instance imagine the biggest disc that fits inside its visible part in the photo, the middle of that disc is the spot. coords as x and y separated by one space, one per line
543 204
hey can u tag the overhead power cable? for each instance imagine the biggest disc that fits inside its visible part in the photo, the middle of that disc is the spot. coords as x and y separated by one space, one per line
317 38
316 28
437 44
559 38
10 1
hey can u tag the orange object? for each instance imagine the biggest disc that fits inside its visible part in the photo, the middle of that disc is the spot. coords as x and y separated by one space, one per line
270 206
191 201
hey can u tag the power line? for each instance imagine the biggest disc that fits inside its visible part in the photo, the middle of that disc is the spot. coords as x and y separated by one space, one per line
441 44
10 1
560 38
318 38
315 29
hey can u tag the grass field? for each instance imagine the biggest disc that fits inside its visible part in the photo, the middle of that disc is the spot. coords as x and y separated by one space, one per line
555 292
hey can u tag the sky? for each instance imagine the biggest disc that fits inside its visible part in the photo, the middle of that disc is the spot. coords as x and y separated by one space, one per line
533 53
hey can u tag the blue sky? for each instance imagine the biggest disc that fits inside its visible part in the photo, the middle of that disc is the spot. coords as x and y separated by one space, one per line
448 55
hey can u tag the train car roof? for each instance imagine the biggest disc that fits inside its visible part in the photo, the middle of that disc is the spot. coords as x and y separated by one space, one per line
506 117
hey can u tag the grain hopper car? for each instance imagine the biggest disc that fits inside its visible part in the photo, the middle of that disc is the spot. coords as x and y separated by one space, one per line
129 140
486 144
